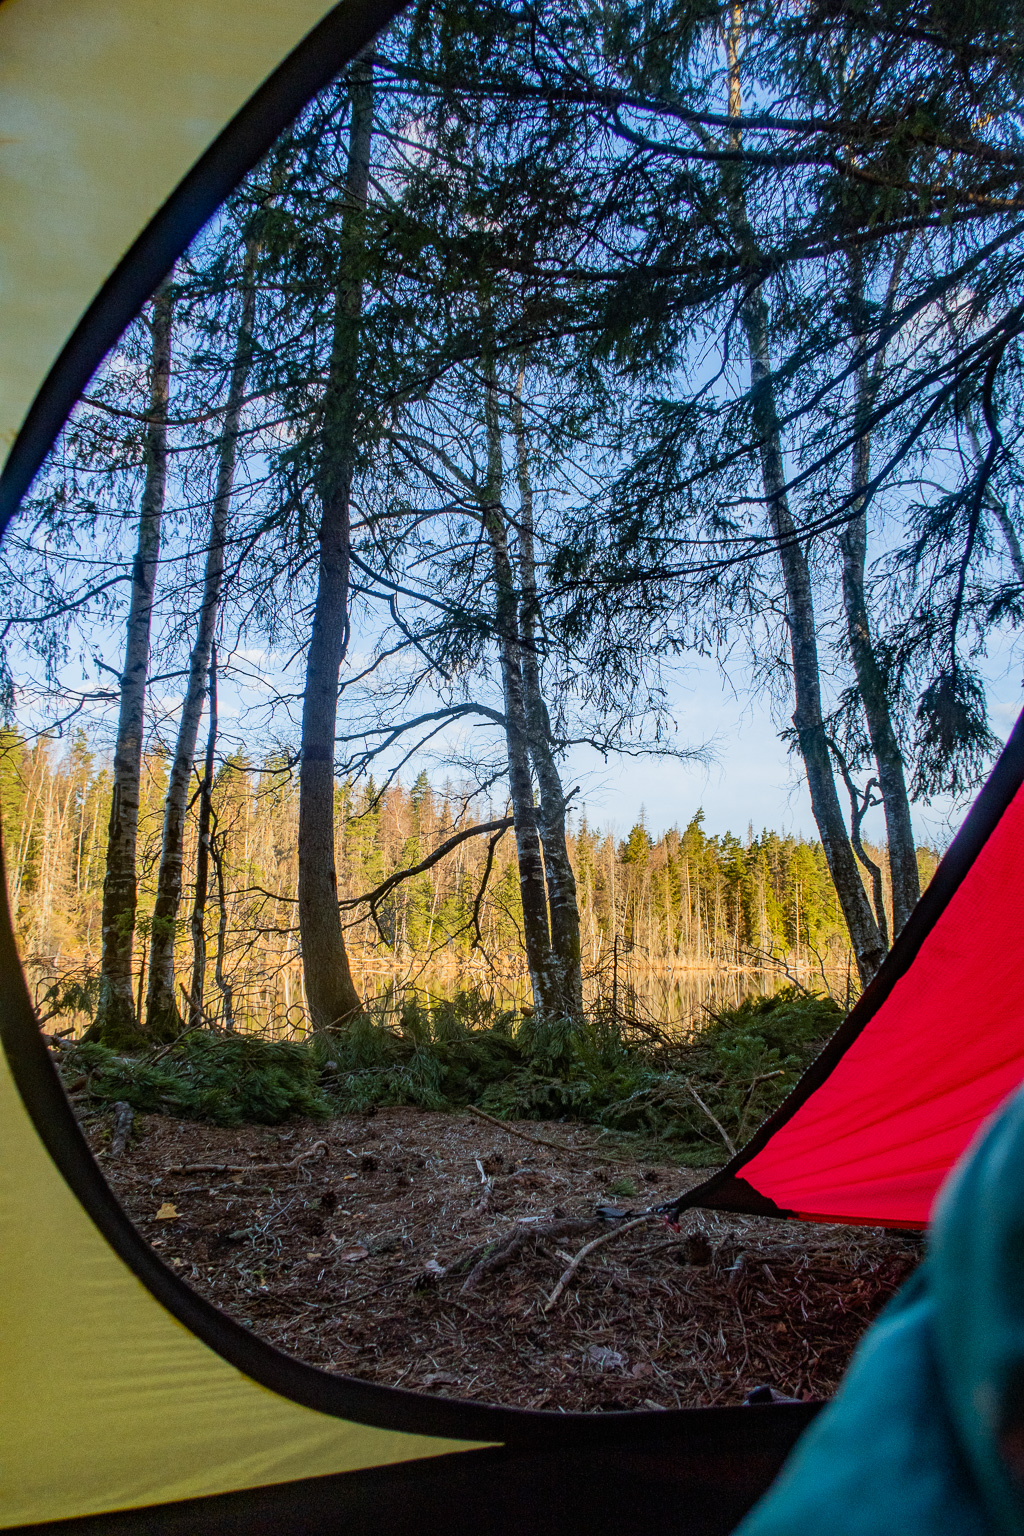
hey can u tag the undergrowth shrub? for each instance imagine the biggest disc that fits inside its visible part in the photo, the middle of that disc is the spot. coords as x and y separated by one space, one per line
736 1071
227 1079
447 1054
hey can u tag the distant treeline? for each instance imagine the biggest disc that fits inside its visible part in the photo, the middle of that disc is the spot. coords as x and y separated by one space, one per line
681 901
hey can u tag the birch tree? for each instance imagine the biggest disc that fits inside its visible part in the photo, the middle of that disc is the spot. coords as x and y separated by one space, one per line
115 1019
162 1014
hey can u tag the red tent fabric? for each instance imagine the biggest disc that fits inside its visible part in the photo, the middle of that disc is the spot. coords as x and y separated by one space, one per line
932 1048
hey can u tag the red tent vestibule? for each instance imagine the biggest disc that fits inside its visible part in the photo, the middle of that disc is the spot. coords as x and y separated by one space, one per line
933 1046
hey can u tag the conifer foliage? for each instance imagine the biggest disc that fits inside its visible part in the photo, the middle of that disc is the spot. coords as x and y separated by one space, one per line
546 353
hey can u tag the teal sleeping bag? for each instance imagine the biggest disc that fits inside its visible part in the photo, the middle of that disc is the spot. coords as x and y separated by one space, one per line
926 1435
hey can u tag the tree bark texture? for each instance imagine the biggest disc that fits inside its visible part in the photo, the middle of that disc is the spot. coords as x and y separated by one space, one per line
115 1018
803 644
197 990
566 997
906 884
532 887
330 991
800 618
810 728
162 1015
906 880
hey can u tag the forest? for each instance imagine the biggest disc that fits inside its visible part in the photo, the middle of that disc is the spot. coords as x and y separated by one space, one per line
552 361
542 356
652 910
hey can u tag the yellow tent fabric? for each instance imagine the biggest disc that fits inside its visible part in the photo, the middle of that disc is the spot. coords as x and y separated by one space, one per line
105 105
122 123
106 1400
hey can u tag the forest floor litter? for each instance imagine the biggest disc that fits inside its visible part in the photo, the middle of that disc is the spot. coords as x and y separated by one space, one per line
446 1254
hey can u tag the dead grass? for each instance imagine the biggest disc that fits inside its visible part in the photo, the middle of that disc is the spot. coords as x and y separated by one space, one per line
356 1258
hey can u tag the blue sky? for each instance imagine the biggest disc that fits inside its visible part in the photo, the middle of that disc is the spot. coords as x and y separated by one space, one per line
753 778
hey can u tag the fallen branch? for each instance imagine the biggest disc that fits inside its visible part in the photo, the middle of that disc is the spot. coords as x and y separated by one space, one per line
318 1146
124 1115
584 1252
714 1121
762 1077
165 1050
508 1251
542 1141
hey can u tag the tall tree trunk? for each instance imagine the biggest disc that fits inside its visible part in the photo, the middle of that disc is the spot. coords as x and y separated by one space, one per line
566 975
218 848
115 1016
197 990
906 885
536 930
807 719
906 880
162 1016
330 991
800 618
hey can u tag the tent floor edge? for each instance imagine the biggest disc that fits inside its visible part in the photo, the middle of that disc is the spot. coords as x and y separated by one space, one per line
697 1484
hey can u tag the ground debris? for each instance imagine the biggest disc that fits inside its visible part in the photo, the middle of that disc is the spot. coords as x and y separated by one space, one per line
121 1129
377 1258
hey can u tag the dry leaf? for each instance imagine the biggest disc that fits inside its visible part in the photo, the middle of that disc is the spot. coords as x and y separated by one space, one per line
352 1255
605 1359
167 1212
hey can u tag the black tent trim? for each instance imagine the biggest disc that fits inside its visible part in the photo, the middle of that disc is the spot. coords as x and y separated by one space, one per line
344 1397
336 39
557 1472
696 1478
725 1191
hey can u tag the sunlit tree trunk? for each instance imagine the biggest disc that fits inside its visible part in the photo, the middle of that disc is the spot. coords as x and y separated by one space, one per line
536 929
162 1015
906 883
331 994
197 989
115 1017
565 972
811 735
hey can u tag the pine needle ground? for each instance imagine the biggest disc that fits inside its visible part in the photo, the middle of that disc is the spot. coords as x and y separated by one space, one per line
368 1255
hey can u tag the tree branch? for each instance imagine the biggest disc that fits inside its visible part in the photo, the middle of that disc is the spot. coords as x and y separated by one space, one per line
374 897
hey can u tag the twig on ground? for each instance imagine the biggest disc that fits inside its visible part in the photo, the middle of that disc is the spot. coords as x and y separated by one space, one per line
542 1141
508 1251
584 1253
318 1146
483 1205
